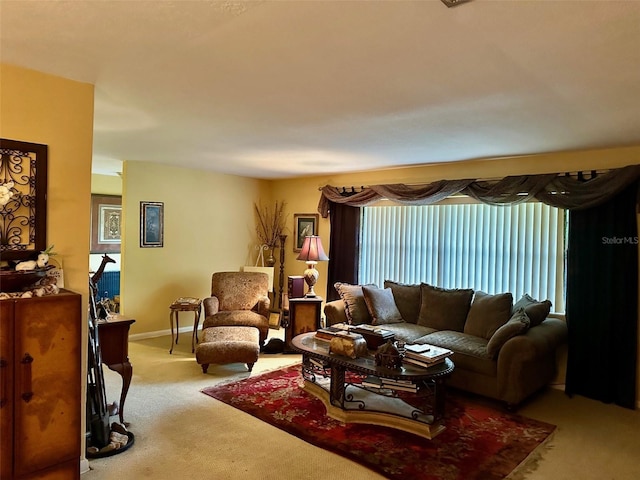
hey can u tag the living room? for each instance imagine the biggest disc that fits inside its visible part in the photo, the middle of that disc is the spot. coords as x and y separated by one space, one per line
209 216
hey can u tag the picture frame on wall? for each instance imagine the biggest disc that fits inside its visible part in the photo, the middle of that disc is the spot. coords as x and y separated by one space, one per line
23 206
106 223
304 224
151 224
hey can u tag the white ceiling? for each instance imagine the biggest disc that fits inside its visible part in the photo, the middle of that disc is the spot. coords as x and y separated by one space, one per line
277 89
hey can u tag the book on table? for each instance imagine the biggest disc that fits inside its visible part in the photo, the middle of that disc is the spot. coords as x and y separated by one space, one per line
374 336
426 353
410 361
372 381
318 363
328 333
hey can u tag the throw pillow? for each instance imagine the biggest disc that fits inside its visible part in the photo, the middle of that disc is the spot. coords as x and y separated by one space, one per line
381 305
488 313
517 325
355 306
535 310
444 309
407 298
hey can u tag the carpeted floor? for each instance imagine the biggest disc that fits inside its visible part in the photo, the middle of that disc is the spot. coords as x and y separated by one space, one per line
480 442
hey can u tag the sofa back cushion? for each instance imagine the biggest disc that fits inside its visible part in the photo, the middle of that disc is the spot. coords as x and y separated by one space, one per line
535 310
444 309
381 305
488 313
407 298
355 306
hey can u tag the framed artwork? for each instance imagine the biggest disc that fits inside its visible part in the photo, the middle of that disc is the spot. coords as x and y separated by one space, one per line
106 223
23 199
151 224
304 224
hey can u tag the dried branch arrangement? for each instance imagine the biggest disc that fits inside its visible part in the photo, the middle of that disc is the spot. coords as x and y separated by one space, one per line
270 223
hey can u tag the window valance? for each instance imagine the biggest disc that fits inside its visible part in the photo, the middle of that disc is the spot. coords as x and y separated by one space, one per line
558 190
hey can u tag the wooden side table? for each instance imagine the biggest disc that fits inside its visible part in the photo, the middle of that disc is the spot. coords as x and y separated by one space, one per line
113 335
185 304
304 316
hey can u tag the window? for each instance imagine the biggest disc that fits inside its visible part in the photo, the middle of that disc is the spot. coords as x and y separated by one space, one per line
517 248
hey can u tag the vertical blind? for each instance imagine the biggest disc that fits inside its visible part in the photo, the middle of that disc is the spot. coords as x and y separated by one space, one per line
514 248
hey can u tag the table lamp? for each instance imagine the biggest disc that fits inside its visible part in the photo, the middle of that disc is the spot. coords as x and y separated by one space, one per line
312 253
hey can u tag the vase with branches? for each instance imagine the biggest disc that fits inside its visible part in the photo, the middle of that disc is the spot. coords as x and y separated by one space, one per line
269 226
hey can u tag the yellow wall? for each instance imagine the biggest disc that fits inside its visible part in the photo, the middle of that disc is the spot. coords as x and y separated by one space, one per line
302 194
106 184
208 226
40 108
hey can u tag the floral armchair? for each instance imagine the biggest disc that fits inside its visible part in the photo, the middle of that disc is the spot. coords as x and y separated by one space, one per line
238 298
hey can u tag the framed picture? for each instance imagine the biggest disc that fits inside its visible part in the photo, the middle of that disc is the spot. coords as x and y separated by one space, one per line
106 223
151 224
304 224
23 203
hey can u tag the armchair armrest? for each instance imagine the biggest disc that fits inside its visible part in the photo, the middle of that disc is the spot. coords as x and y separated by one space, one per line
262 307
211 306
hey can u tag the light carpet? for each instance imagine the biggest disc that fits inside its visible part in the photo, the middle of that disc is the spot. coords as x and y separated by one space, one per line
480 442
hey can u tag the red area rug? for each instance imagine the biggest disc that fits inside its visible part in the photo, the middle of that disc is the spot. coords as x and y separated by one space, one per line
480 442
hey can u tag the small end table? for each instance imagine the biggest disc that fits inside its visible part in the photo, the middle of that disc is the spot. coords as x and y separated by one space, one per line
114 349
185 304
304 316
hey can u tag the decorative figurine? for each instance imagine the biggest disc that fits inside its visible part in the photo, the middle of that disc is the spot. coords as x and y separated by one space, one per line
388 356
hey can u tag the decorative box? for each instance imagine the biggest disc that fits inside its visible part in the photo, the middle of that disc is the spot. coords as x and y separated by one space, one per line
350 345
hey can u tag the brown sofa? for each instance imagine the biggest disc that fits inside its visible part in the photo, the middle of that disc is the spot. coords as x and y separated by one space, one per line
501 350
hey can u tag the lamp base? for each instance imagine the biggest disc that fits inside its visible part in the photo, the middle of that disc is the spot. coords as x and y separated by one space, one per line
311 277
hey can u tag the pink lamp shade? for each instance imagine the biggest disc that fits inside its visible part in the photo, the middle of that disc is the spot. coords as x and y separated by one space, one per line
312 250
312 253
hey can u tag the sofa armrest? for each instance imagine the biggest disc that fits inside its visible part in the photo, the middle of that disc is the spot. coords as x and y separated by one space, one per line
528 362
334 312
211 306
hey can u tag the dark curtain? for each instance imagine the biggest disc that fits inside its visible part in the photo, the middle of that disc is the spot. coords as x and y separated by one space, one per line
602 300
344 247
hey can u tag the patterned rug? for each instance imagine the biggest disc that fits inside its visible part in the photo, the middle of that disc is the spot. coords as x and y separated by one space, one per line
480 441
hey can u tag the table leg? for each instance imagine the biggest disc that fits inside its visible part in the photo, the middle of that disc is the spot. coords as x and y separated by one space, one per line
439 400
172 334
196 322
125 370
337 386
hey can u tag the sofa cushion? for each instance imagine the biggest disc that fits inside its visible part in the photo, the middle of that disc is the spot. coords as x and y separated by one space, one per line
355 306
408 332
381 305
488 313
469 351
407 299
517 325
444 309
535 310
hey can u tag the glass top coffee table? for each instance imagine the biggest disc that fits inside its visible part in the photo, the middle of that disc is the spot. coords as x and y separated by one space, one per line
356 390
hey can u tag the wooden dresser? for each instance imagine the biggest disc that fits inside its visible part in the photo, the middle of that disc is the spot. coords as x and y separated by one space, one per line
40 382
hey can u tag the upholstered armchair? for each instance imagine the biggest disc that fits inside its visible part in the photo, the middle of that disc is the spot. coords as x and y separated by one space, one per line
238 298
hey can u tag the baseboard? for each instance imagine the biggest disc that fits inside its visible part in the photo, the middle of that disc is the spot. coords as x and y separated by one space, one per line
84 466
159 333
